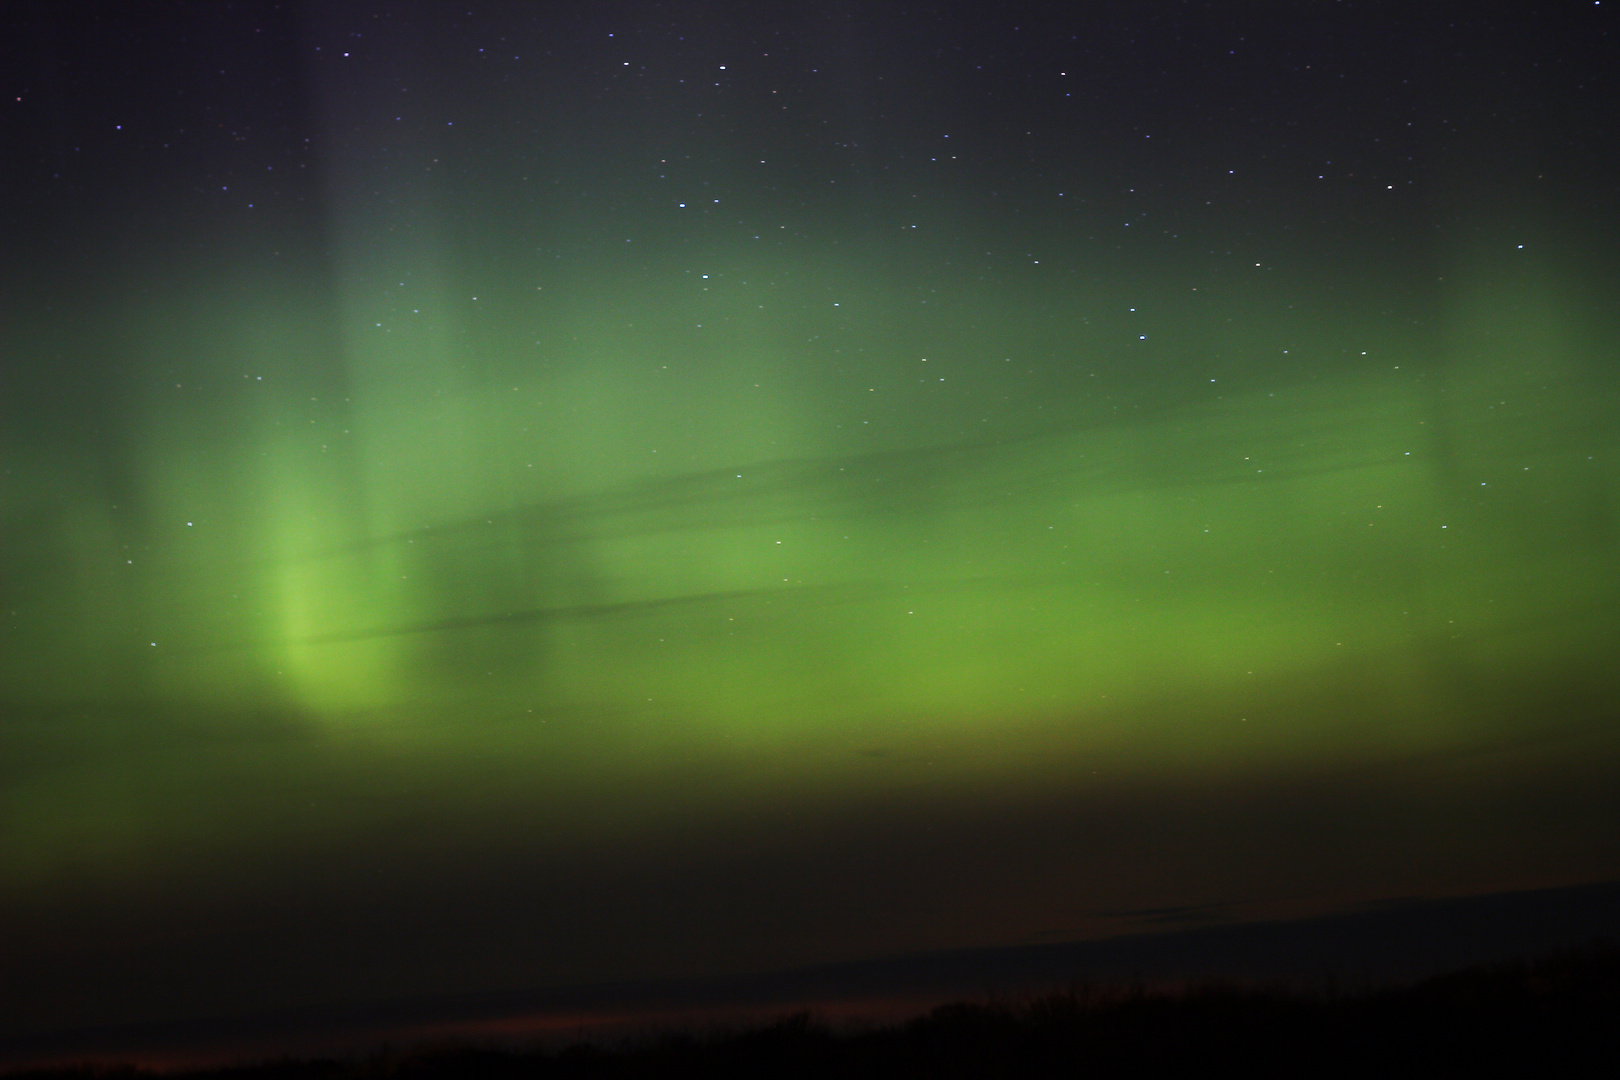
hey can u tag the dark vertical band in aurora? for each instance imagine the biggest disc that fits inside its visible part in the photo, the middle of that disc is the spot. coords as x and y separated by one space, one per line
546 495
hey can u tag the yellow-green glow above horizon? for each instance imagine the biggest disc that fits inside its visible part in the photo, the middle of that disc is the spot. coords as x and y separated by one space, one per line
725 544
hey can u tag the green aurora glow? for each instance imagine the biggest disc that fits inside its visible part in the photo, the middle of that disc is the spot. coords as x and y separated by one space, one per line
636 542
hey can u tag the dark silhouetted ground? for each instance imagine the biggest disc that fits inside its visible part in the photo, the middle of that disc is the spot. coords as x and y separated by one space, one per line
1553 1016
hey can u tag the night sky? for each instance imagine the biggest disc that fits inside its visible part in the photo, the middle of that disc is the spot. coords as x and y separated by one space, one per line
506 496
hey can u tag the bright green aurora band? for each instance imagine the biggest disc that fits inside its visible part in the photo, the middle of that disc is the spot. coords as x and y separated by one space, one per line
650 543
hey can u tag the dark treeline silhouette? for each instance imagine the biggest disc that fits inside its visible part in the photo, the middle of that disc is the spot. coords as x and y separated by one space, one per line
1552 1016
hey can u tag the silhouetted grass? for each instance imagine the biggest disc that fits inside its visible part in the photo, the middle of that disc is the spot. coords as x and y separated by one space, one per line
1555 1016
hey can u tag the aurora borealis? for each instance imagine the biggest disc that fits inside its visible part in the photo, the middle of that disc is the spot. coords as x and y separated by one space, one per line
551 494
